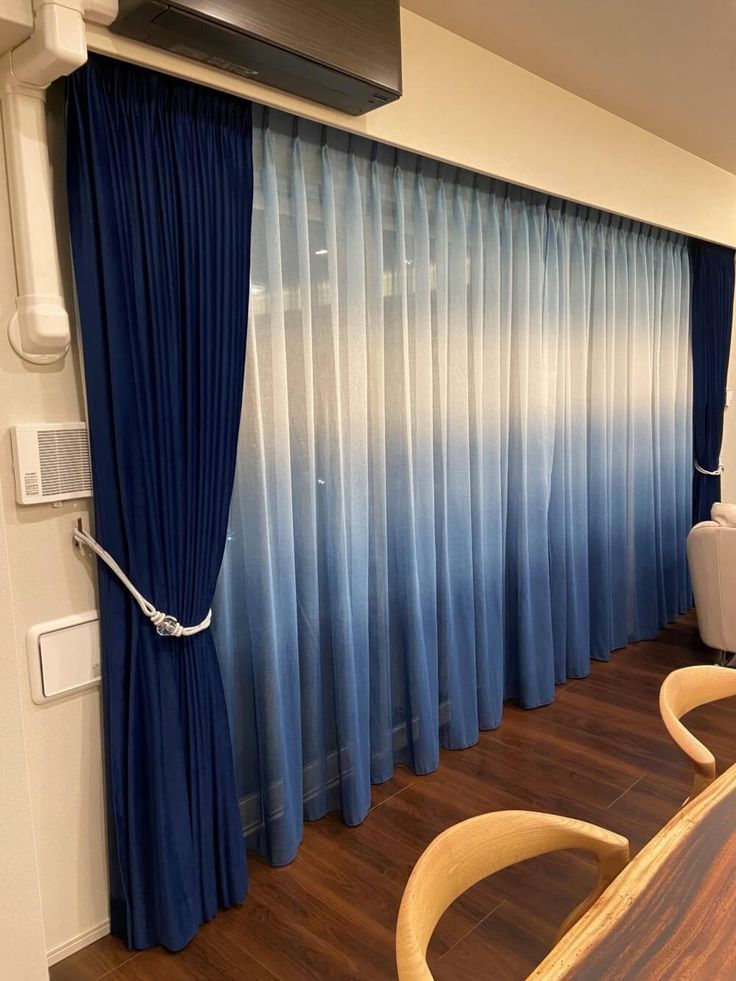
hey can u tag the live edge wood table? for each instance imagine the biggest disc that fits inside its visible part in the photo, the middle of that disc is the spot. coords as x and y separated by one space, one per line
670 913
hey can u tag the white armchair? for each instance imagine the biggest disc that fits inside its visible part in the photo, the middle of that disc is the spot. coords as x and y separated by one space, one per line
711 554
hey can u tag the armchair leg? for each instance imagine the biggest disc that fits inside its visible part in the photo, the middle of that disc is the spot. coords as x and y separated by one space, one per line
725 659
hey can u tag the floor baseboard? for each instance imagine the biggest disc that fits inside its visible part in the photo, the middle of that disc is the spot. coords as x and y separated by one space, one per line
70 947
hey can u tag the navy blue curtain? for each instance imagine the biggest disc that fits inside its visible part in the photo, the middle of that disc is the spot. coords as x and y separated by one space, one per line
712 315
160 191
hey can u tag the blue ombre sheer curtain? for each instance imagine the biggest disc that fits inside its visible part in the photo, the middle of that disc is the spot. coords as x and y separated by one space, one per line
464 465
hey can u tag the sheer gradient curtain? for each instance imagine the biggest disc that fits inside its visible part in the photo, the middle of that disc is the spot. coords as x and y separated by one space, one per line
464 464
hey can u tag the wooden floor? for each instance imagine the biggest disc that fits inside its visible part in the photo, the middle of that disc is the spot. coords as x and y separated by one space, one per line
599 753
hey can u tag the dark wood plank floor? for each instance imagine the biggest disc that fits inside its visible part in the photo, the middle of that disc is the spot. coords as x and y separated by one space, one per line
599 753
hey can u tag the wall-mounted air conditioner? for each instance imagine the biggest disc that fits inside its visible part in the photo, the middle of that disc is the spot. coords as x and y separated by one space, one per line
51 462
342 54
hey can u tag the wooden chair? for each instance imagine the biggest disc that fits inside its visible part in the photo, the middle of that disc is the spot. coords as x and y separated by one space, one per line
474 849
684 690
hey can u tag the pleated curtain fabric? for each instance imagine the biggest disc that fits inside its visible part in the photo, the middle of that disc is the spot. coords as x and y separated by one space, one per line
464 465
712 319
160 195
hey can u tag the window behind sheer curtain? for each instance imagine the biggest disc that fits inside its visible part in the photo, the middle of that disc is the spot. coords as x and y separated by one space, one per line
464 464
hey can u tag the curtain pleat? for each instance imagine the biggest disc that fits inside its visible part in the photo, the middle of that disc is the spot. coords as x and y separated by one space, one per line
463 469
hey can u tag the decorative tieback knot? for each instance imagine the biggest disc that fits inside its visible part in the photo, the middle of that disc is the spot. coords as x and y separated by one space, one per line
166 625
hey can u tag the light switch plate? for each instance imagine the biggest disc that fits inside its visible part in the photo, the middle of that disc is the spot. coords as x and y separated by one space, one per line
64 656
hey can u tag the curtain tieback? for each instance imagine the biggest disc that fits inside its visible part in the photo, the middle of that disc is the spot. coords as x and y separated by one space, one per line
709 473
165 624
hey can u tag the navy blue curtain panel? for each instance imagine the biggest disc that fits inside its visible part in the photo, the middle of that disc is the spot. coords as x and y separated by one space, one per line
159 179
712 315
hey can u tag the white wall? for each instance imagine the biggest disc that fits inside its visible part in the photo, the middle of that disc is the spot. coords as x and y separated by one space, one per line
46 579
462 104
21 928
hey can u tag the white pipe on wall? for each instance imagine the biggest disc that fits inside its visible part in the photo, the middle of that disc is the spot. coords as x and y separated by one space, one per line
39 328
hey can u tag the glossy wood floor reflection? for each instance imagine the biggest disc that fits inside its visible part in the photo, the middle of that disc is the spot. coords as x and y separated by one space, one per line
599 753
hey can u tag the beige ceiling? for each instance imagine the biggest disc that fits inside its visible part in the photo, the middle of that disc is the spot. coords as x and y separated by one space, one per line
666 65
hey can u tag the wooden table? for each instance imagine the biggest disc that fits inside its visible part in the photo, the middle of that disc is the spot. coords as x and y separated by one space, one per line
671 912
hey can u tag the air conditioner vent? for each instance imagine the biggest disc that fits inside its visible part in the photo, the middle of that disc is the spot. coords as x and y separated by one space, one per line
51 462
341 54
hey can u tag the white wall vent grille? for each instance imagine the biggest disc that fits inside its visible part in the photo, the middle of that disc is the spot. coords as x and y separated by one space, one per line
51 462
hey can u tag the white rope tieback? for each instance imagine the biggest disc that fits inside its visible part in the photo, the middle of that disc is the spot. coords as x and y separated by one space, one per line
709 473
165 624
